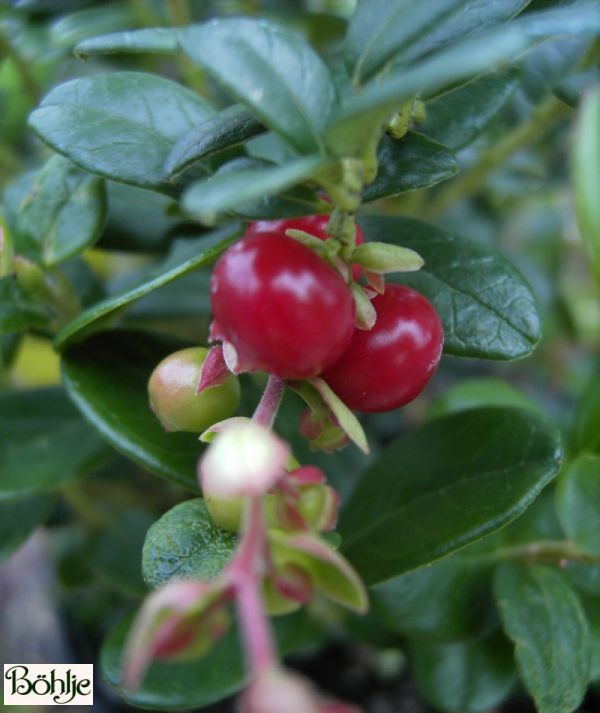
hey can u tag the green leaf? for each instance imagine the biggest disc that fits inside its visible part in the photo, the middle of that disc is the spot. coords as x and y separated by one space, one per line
56 212
486 306
572 88
471 393
19 310
409 163
545 620
44 443
69 29
228 128
586 175
466 677
159 40
350 128
448 601
107 378
591 607
457 118
121 126
186 544
586 429
578 503
19 517
117 550
187 255
444 485
245 180
272 71
221 673
380 29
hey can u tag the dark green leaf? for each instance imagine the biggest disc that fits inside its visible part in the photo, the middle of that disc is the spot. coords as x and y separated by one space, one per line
586 175
545 620
229 128
471 393
186 256
19 517
350 128
117 552
448 601
121 126
458 117
44 443
591 607
171 686
571 89
466 677
246 180
412 162
18 310
186 544
159 40
55 213
107 378
273 71
586 430
487 308
448 483
578 502
381 28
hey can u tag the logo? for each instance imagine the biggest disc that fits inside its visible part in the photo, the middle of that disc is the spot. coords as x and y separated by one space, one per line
48 684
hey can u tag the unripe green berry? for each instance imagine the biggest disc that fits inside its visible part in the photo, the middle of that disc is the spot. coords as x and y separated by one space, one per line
227 512
172 391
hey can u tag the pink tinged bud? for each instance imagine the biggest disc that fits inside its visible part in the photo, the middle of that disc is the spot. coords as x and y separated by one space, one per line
310 425
294 583
210 434
179 621
214 371
244 459
376 280
275 691
307 475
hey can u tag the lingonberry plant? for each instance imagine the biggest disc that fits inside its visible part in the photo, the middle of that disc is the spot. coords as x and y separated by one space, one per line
290 258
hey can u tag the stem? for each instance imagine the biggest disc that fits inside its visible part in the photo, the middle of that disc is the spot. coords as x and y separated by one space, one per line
246 572
554 551
266 411
472 179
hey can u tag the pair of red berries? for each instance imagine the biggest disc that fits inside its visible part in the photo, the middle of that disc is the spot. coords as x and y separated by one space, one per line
287 312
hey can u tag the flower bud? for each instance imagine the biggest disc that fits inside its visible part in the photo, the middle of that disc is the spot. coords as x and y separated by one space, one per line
276 690
244 459
173 398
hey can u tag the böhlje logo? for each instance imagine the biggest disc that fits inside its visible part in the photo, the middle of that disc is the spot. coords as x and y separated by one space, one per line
49 684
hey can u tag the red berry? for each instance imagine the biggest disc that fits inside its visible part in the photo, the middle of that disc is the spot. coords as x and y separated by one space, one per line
390 365
284 309
313 224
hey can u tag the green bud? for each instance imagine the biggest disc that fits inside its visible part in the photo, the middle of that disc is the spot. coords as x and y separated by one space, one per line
385 257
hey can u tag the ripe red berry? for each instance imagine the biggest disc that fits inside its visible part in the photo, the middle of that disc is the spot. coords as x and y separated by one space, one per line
390 365
313 224
283 308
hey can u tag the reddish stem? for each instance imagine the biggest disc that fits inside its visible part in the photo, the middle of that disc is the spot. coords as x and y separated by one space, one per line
269 404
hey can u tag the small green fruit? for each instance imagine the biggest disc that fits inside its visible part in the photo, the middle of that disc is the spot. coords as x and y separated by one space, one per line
173 398
227 512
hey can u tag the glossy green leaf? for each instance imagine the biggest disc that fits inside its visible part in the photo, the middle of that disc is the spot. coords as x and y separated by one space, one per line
351 127
158 40
272 71
221 673
246 180
545 620
74 27
448 483
457 118
19 310
19 517
591 607
44 443
186 256
578 503
586 429
121 126
107 378
471 393
586 175
55 213
228 128
466 677
381 28
448 601
186 544
486 306
409 163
